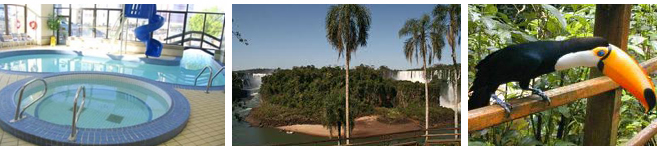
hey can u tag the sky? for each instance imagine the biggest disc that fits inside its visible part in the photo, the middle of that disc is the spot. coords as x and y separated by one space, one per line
283 36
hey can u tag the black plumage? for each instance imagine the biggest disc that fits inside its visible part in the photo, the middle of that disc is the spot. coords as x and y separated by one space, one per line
521 63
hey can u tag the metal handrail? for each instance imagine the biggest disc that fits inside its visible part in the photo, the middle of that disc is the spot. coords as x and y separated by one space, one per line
76 111
207 90
19 112
215 76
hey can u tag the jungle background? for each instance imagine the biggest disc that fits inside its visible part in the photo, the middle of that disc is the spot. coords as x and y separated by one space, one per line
492 27
311 95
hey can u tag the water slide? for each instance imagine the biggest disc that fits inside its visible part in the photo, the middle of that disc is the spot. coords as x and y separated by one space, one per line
143 33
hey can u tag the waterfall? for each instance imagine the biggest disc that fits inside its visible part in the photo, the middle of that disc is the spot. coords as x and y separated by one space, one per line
253 80
413 76
449 97
448 93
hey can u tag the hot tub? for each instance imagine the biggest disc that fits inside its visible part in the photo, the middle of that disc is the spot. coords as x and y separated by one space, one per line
118 110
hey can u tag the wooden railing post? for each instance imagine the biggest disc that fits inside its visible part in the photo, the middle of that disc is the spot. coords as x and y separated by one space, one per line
612 22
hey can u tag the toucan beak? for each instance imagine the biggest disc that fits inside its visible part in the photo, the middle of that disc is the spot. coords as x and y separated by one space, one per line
625 71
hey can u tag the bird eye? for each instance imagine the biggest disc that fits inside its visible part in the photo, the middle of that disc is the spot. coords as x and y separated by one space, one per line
601 53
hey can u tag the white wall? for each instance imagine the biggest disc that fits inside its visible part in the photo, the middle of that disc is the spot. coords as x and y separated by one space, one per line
41 11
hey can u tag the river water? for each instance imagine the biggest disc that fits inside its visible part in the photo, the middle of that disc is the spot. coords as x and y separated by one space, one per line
245 134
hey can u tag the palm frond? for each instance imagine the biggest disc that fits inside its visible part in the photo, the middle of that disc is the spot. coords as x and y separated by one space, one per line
347 27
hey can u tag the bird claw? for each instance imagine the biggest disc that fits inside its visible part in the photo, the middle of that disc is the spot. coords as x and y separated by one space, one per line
507 107
542 95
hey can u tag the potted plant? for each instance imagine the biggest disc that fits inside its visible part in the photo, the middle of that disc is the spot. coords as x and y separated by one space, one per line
53 24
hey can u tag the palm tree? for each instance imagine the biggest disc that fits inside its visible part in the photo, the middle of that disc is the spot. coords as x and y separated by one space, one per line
332 114
448 16
346 30
421 44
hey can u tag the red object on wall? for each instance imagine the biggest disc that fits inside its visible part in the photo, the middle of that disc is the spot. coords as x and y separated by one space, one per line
33 25
18 24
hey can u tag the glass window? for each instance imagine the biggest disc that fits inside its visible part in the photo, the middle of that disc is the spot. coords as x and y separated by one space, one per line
194 23
206 8
76 22
114 22
62 12
214 25
16 15
101 23
132 24
176 22
63 31
172 7
108 5
62 5
161 33
87 23
83 5
2 19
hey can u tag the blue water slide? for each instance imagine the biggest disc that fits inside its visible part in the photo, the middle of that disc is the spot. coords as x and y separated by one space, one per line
143 33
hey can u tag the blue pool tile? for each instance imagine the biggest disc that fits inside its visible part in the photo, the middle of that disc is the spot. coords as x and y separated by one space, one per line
40 132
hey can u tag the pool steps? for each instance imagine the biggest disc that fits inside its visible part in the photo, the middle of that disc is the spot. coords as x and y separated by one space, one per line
210 78
19 112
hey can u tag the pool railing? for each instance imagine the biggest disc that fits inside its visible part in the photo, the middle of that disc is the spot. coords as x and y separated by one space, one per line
76 111
210 78
19 112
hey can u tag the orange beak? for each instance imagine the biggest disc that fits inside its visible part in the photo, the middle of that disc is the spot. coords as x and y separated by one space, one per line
625 71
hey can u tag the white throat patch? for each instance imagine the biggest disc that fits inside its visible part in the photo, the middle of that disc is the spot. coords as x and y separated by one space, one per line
577 59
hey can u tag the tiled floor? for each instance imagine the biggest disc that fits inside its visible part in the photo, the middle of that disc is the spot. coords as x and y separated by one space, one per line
206 124
206 120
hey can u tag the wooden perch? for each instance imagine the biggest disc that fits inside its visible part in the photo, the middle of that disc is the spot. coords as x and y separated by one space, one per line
642 137
493 115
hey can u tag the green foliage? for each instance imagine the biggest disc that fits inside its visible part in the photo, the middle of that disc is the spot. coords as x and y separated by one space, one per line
643 31
53 22
309 90
447 18
492 27
346 28
273 115
420 33
238 83
333 110
214 24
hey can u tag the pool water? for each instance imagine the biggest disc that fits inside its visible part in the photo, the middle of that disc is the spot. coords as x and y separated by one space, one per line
183 74
109 103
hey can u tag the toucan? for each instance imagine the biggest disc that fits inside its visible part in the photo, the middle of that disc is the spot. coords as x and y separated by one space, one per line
523 62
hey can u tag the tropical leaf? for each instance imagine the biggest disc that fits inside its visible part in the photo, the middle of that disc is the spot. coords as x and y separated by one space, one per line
490 10
529 141
564 143
637 39
554 12
564 111
636 49
476 143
